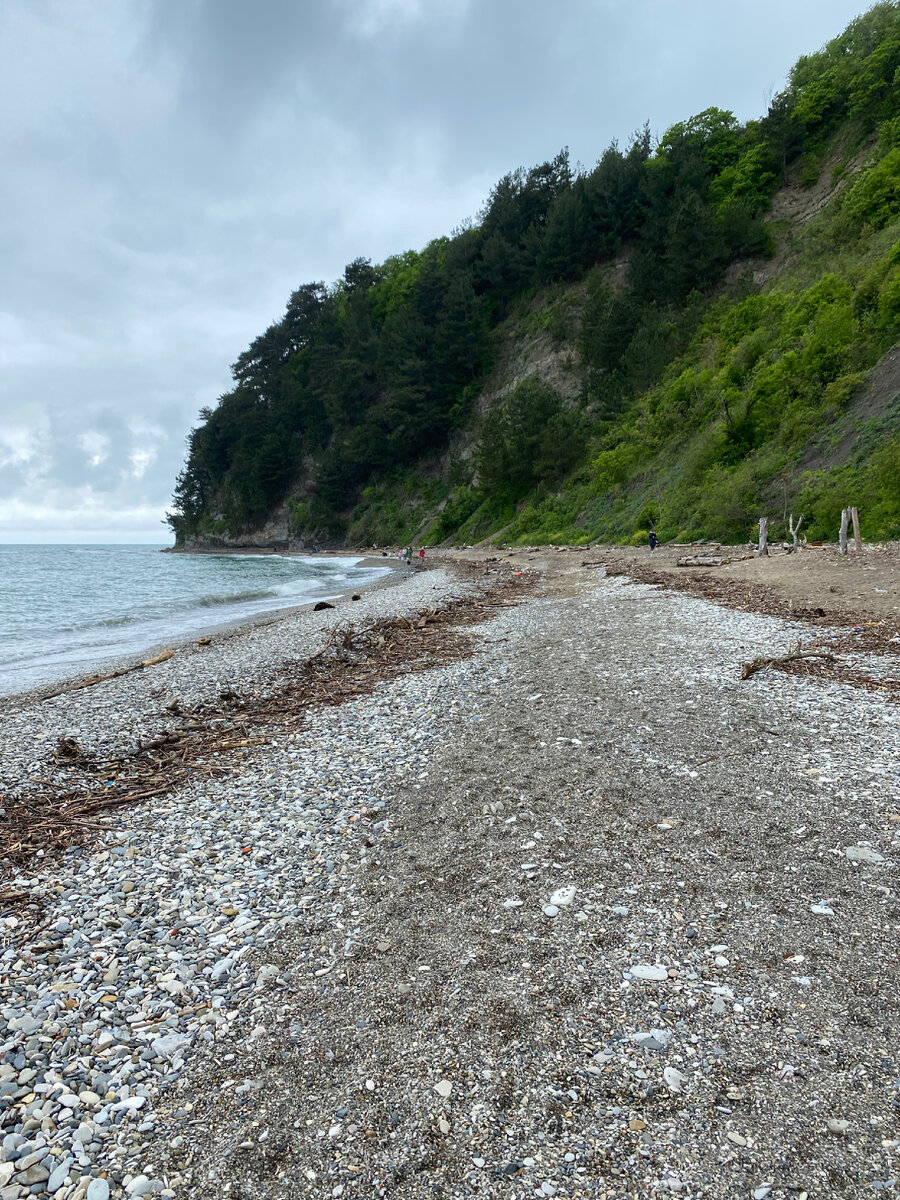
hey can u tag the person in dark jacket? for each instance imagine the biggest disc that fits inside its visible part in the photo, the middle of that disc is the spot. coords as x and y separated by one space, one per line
654 540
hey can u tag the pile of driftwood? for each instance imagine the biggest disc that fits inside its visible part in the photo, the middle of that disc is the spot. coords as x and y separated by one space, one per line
210 739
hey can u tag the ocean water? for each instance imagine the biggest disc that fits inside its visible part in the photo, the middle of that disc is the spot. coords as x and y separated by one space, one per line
65 610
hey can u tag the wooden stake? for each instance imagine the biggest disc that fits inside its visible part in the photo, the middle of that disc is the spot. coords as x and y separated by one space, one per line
857 540
764 535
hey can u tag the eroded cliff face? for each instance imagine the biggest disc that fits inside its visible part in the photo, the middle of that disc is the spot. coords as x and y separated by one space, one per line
523 353
275 534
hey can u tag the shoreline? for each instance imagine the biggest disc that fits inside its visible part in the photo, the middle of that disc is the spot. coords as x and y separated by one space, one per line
121 711
216 632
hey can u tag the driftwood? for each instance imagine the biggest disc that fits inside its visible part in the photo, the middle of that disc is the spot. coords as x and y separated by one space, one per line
857 539
702 560
794 654
86 683
795 529
160 658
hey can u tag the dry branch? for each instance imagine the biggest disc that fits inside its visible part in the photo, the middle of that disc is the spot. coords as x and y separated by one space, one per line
794 654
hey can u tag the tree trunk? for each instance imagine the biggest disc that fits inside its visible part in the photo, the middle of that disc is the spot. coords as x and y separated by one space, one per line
857 540
763 535
795 529
842 536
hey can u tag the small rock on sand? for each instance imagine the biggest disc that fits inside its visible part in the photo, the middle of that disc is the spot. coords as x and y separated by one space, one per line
649 972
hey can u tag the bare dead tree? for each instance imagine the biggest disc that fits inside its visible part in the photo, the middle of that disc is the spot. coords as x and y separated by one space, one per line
795 529
857 540
764 535
842 535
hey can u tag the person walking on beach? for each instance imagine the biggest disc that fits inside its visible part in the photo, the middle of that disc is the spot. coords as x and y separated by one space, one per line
421 554
654 540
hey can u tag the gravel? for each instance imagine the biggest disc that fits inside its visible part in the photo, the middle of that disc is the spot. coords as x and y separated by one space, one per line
149 941
336 972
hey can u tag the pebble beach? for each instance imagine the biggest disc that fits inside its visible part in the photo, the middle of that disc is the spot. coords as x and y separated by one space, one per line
582 914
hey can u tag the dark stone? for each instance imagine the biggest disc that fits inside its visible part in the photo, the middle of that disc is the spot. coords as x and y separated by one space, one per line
322 604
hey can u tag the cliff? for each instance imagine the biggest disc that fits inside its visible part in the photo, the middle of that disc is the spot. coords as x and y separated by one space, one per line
688 335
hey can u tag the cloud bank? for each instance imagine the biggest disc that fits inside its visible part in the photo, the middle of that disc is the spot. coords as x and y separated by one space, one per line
173 169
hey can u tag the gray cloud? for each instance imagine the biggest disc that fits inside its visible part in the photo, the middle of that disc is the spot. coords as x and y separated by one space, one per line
174 168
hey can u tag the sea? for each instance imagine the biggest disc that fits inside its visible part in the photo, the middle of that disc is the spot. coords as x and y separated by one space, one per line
67 610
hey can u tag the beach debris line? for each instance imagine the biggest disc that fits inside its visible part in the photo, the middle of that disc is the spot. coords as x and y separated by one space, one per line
352 662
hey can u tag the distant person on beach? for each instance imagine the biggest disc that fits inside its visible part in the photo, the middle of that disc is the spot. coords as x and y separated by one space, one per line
421 554
654 540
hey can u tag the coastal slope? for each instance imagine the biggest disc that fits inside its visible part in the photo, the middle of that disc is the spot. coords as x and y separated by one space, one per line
694 332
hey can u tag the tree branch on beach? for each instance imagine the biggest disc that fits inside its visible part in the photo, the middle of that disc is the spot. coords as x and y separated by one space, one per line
794 654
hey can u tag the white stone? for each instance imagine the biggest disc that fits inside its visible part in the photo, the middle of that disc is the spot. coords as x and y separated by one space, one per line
170 1045
651 973
862 854
673 1079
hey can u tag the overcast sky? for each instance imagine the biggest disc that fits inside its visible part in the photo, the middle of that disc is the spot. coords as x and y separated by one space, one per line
172 169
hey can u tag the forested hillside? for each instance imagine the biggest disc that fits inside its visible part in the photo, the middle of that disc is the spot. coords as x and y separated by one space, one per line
684 335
